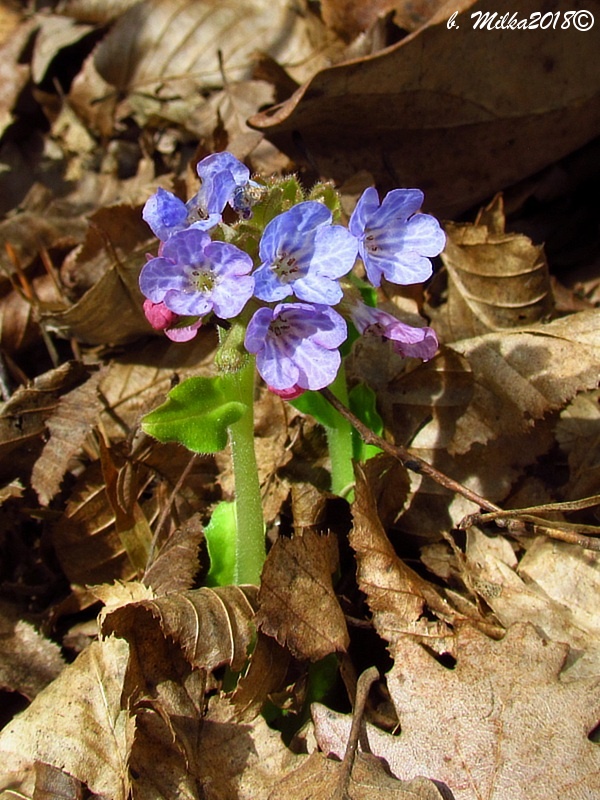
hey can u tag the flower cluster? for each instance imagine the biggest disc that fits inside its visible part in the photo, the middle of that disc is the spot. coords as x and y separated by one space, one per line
287 293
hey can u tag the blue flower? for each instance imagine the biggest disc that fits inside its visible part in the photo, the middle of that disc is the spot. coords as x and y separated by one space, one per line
303 254
407 341
296 345
394 241
194 276
221 174
222 177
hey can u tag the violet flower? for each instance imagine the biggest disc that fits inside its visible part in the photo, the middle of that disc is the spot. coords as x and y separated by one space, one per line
394 241
223 177
407 341
303 254
296 346
194 276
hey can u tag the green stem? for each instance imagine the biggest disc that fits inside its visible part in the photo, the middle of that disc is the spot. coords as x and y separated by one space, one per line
339 440
250 542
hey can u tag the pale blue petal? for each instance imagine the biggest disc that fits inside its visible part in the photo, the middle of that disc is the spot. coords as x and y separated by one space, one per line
268 287
230 295
158 276
364 210
257 329
335 251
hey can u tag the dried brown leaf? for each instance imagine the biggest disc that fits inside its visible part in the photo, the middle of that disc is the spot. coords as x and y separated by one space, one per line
242 761
553 588
169 48
76 414
211 626
14 74
28 661
76 724
100 11
578 432
107 270
55 34
176 564
23 417
138 380
522 375
442 108
396 594
500 724
297 604
496 280
421 410
86 542
268 667
317 779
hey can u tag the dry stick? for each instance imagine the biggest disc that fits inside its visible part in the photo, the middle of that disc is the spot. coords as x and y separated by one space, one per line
363 685
418 465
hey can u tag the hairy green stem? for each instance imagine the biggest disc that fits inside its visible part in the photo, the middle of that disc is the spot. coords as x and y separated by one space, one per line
250 542
339 440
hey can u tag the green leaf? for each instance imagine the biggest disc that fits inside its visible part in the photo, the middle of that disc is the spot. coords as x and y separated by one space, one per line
363 403
197 414
221 535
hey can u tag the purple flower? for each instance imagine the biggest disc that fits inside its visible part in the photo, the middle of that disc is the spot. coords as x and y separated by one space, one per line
222 176
296 345
302 253
394 241
406 340
194 276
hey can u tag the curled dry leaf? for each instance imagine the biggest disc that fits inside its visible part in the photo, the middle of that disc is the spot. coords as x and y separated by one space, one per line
496 280
100 11
212 627
107 270
173 568
442 109
75 415
500 724
396 594
23 417
243 761
268 666
77 725
297 604
86 539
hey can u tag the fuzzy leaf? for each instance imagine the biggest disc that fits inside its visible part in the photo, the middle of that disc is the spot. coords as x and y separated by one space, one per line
196 414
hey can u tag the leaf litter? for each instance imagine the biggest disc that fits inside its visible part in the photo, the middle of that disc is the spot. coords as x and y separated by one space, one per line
121 674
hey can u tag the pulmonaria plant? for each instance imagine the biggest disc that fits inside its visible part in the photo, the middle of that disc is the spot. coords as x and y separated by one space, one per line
302 259
284 285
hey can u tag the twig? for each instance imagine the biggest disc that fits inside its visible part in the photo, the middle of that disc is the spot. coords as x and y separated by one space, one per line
517 524
410 461
365 681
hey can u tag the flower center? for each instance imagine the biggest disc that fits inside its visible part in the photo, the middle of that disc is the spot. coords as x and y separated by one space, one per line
201 280
371 243
279 326
286 268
